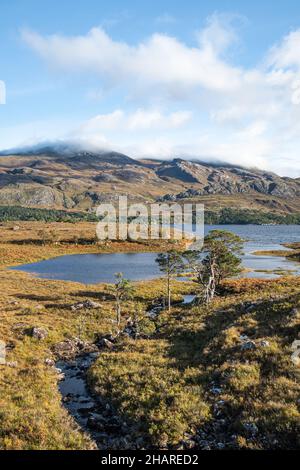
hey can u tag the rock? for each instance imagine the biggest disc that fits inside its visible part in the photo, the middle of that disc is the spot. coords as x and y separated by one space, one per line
188 444
220 445
49 362
13 364
248 346
251 306
60 374
296 354
72 347
244 338
216 390
10 346
105 343
65 347
250 428
205 446
38 333
139 443
96 422
87 304
295 313
264 344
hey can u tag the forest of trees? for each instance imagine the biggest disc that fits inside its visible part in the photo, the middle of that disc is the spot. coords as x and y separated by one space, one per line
18 213
222 217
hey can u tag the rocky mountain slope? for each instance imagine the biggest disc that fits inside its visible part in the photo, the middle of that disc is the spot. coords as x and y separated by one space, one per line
76 179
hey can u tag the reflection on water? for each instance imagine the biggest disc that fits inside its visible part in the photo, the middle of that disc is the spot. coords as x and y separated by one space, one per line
96 268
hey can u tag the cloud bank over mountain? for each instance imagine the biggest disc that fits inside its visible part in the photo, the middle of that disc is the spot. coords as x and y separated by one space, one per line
188 99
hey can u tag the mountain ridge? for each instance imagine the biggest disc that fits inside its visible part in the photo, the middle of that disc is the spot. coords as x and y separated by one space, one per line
80 179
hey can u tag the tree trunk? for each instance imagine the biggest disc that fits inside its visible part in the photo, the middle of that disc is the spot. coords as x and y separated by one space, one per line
118 311
211 284
169 294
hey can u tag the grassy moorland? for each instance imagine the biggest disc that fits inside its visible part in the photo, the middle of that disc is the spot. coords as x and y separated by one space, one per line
191 381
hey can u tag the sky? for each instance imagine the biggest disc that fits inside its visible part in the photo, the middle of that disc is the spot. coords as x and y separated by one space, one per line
217 80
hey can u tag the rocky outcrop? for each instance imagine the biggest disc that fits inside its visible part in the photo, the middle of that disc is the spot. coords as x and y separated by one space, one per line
70 348
228 180
68 178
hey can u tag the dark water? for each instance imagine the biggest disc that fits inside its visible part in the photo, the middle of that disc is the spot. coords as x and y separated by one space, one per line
73 387
96 268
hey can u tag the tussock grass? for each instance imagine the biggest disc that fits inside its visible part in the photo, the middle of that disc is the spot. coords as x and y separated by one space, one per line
163 385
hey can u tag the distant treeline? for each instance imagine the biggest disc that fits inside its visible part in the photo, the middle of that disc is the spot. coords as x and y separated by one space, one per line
246 216
18 213
224 216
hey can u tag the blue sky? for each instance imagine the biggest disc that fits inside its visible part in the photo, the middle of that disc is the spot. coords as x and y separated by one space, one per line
213 80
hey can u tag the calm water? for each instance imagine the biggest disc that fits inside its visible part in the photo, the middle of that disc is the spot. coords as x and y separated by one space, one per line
95 268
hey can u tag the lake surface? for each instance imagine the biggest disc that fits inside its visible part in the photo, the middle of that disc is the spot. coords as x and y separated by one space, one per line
96 268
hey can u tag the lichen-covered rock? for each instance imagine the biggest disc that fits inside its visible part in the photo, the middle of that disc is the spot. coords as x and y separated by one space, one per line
87 304
70 348
38 333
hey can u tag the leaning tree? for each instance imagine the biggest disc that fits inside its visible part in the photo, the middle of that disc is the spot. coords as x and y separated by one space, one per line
219 259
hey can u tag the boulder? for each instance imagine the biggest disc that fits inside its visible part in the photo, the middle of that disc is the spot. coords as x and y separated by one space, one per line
72 347
13 364
49 362
296 352
251 429
248 346
105 343
38 333
87 304
264 344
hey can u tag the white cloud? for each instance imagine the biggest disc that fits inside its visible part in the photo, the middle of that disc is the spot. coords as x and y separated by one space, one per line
159 60
140 119
2 92
246 115
286 54
218 35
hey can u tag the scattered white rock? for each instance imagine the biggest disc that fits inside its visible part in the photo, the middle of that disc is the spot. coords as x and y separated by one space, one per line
13 364
296 354
60 374
87 304
244 338
49 362
107 344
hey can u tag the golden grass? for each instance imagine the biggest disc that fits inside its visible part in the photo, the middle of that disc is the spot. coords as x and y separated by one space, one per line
162 384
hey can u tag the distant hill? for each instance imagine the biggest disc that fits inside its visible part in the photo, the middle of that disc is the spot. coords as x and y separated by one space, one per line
66 177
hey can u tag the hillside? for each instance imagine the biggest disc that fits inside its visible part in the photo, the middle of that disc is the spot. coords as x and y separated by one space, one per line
67 178
195 378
